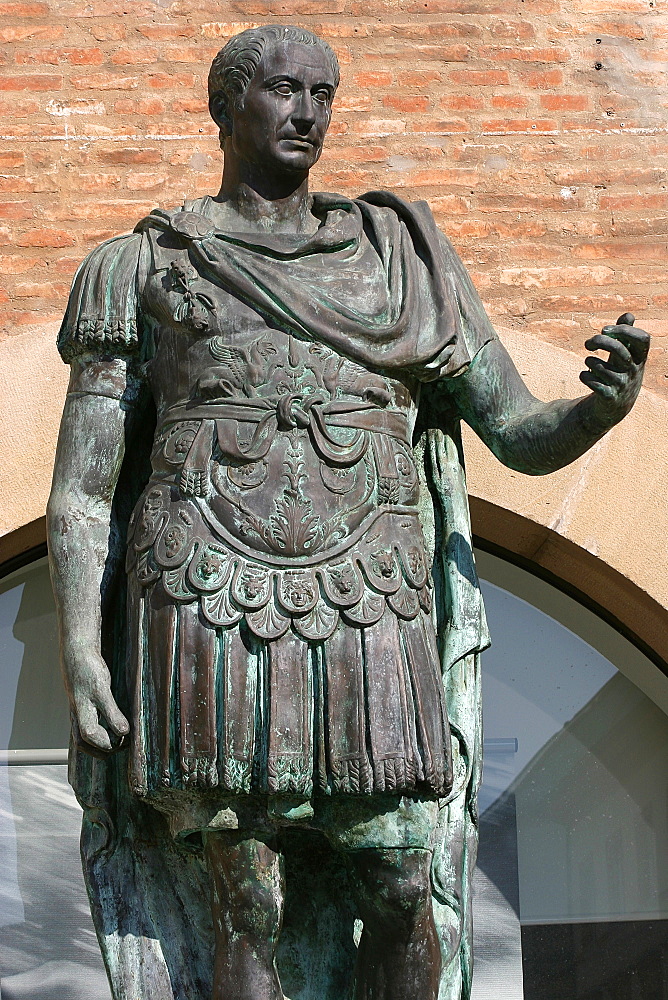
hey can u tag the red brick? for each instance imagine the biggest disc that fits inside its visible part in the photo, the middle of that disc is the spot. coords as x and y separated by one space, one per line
554 277
511 29
564 102
17 265
148 106
505 53
41 290
289 8
97 182
641 252
17 184
86 210
380 79
545 80
449 7
509 101
527 203
105 81
46 238
630 202
173 81
108 32
145 182
501 126
24 10
327 30
449 204
443 53
18 210
129 156
411 105
445 127
419 79
135 56
45 32
78 57
480 78
27 81
166 32
469 228
10 160
462 102
4 295
13 317
225 29
201 55
190 107
591 303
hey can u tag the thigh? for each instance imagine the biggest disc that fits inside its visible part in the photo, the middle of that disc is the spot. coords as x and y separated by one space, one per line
385 822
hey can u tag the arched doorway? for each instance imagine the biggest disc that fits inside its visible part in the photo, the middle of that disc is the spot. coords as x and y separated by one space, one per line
571 894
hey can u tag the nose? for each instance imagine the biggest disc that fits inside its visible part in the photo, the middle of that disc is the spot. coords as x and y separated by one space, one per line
303 116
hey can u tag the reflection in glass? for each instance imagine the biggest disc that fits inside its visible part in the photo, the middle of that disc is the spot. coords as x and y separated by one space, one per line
571 893
574 825
51 953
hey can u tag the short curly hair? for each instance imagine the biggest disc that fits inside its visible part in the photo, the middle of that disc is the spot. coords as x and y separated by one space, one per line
234 67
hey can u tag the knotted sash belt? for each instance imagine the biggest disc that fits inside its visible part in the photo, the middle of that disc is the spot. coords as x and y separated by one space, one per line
286 413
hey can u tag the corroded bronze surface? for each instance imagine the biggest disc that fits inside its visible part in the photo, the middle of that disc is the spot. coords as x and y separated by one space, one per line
263 429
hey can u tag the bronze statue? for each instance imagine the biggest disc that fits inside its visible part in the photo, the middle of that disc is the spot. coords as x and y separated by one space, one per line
276 703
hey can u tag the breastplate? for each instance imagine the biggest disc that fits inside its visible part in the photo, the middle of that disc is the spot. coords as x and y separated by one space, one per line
283 489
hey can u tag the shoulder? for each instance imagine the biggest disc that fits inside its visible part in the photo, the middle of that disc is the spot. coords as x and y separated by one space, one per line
102 308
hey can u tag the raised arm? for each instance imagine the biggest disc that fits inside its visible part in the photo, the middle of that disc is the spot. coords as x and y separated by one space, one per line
91 447
535 437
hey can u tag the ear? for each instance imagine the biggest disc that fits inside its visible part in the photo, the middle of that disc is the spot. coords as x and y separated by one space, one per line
218 112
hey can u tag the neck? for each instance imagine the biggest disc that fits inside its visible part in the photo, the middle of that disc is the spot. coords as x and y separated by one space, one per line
277 203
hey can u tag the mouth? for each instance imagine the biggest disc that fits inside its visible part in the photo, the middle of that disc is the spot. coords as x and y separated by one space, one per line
299 140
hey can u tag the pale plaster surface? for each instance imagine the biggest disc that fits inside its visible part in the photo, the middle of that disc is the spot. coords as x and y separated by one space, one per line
34 381
612 503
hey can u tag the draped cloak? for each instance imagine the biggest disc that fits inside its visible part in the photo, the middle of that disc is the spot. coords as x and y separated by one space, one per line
381 286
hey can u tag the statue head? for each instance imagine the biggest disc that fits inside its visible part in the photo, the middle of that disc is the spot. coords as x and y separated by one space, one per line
233 69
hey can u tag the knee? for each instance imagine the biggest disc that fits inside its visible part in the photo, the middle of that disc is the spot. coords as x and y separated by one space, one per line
394 889
252 909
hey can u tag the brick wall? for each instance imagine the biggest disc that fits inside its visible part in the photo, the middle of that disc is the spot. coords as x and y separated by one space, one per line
537 130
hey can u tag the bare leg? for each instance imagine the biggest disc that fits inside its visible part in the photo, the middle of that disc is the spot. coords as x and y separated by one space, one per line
247 906
399 956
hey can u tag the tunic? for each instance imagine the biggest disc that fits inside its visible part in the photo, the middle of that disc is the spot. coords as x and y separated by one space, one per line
280 617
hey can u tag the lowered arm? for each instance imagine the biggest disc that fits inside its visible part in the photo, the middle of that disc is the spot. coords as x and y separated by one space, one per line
91 447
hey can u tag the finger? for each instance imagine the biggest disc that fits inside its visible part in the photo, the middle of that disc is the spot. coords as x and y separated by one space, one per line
626 319
607 374
636 340
89 728
592 382
600 342
115 719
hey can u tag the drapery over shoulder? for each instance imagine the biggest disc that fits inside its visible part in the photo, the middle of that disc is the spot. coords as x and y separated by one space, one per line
376 282
101 314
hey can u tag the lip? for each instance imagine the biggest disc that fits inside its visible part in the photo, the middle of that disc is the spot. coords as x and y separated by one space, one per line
298 140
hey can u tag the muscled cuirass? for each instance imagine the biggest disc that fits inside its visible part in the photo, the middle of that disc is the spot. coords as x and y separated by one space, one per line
284 489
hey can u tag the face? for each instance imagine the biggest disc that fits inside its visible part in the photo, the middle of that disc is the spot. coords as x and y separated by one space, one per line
286 109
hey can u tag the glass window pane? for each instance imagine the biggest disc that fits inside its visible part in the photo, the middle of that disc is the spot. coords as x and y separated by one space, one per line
33 707
572 884
48 948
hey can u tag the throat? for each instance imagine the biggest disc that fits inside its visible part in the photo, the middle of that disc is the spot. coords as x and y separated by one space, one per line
242 208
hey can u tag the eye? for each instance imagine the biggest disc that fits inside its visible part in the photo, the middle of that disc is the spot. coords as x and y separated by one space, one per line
284 89
322 96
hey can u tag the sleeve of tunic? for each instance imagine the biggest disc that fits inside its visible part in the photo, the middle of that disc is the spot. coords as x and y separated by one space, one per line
102 313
